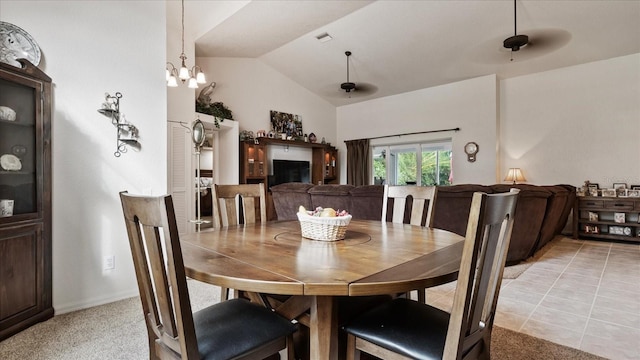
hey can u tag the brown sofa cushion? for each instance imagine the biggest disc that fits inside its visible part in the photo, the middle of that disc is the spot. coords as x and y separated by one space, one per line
333 196
571 200
553 215
366 202
452 205
288 197
530 211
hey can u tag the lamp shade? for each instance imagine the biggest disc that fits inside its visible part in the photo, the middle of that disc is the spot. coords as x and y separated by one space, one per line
515 175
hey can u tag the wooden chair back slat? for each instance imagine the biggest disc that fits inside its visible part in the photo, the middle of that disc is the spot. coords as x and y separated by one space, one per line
227 198
483 259
421 199
157 258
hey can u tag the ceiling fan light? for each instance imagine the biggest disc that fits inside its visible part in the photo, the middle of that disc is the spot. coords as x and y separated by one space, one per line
516 42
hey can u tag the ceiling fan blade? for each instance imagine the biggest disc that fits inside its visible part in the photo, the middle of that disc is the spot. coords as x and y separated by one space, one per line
366 88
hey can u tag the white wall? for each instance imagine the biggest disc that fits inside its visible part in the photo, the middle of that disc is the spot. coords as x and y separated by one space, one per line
251 89
89 48
574 124
469 105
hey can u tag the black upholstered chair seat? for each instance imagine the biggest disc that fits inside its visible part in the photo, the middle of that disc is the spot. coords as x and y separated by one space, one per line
232 328
406 327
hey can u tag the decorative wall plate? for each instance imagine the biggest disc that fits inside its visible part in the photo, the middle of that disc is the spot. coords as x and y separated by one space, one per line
10 162
16 43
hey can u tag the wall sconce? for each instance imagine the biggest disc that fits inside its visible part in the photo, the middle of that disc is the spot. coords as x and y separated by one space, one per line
126 134
515 175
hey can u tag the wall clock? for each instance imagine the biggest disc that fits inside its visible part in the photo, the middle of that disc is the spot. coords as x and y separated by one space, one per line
471 149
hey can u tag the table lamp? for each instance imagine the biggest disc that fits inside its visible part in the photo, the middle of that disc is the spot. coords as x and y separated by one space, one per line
515 175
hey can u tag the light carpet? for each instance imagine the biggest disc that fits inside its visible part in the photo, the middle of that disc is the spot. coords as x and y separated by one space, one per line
116 331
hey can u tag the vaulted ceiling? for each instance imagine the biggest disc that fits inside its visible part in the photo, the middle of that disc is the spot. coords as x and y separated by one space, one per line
401 46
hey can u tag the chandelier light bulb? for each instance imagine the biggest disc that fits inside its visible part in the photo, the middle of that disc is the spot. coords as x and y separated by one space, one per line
184 73
200 78
193 84
172 82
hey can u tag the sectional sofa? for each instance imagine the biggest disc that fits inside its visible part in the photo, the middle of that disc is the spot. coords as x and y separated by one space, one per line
541 213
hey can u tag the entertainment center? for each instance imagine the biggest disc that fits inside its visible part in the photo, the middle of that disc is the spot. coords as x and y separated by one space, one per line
255 165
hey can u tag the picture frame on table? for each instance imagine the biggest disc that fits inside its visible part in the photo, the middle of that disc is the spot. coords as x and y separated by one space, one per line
616 230
609 192
633 193
620 188
634 187
619 218
593 216
593 191
591 229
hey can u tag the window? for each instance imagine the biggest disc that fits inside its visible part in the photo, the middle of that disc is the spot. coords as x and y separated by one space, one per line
422 164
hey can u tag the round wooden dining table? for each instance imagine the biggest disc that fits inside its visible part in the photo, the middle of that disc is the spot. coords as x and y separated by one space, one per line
273 258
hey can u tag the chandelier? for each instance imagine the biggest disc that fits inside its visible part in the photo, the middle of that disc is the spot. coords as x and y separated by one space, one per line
194 76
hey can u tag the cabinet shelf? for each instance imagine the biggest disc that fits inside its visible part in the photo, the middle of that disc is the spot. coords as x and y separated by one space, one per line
594 218
3 172
16 123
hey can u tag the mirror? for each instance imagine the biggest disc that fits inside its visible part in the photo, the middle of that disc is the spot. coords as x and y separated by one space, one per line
198 133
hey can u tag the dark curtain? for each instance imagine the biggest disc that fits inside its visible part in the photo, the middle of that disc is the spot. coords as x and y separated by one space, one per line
358 162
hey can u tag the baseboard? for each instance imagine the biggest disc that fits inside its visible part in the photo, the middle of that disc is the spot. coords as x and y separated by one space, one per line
88 303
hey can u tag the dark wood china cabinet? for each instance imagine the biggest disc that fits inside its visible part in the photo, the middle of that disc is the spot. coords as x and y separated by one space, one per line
25 198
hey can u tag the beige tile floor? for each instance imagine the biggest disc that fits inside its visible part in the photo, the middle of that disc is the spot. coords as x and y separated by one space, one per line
580 293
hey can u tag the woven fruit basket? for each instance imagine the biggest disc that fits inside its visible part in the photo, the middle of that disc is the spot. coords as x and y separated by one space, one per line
323 228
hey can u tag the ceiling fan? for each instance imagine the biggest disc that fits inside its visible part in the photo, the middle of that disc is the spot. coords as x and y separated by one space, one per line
516 41
361 88
542 41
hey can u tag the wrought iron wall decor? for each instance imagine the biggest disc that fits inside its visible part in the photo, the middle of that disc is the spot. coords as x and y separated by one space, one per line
126 133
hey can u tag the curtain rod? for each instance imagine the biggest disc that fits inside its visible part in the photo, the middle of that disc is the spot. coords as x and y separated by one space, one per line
412 133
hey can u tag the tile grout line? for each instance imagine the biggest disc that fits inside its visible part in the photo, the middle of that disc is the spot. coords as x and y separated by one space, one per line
595 297
547 292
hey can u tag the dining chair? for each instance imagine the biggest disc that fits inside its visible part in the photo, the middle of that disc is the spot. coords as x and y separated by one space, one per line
411 205
236 204
231 329
402 328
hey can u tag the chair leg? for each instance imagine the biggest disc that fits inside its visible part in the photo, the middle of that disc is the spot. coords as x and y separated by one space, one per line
421 296
290 348
224 293
352 352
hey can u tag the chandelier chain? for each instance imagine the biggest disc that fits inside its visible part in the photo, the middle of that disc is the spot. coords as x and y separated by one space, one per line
183 27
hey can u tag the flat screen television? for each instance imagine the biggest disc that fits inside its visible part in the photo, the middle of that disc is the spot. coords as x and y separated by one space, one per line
290 171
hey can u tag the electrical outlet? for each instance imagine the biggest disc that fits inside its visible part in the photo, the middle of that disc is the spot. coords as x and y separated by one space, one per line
109 262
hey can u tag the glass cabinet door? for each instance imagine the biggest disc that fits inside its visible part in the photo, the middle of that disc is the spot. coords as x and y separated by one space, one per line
19 153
